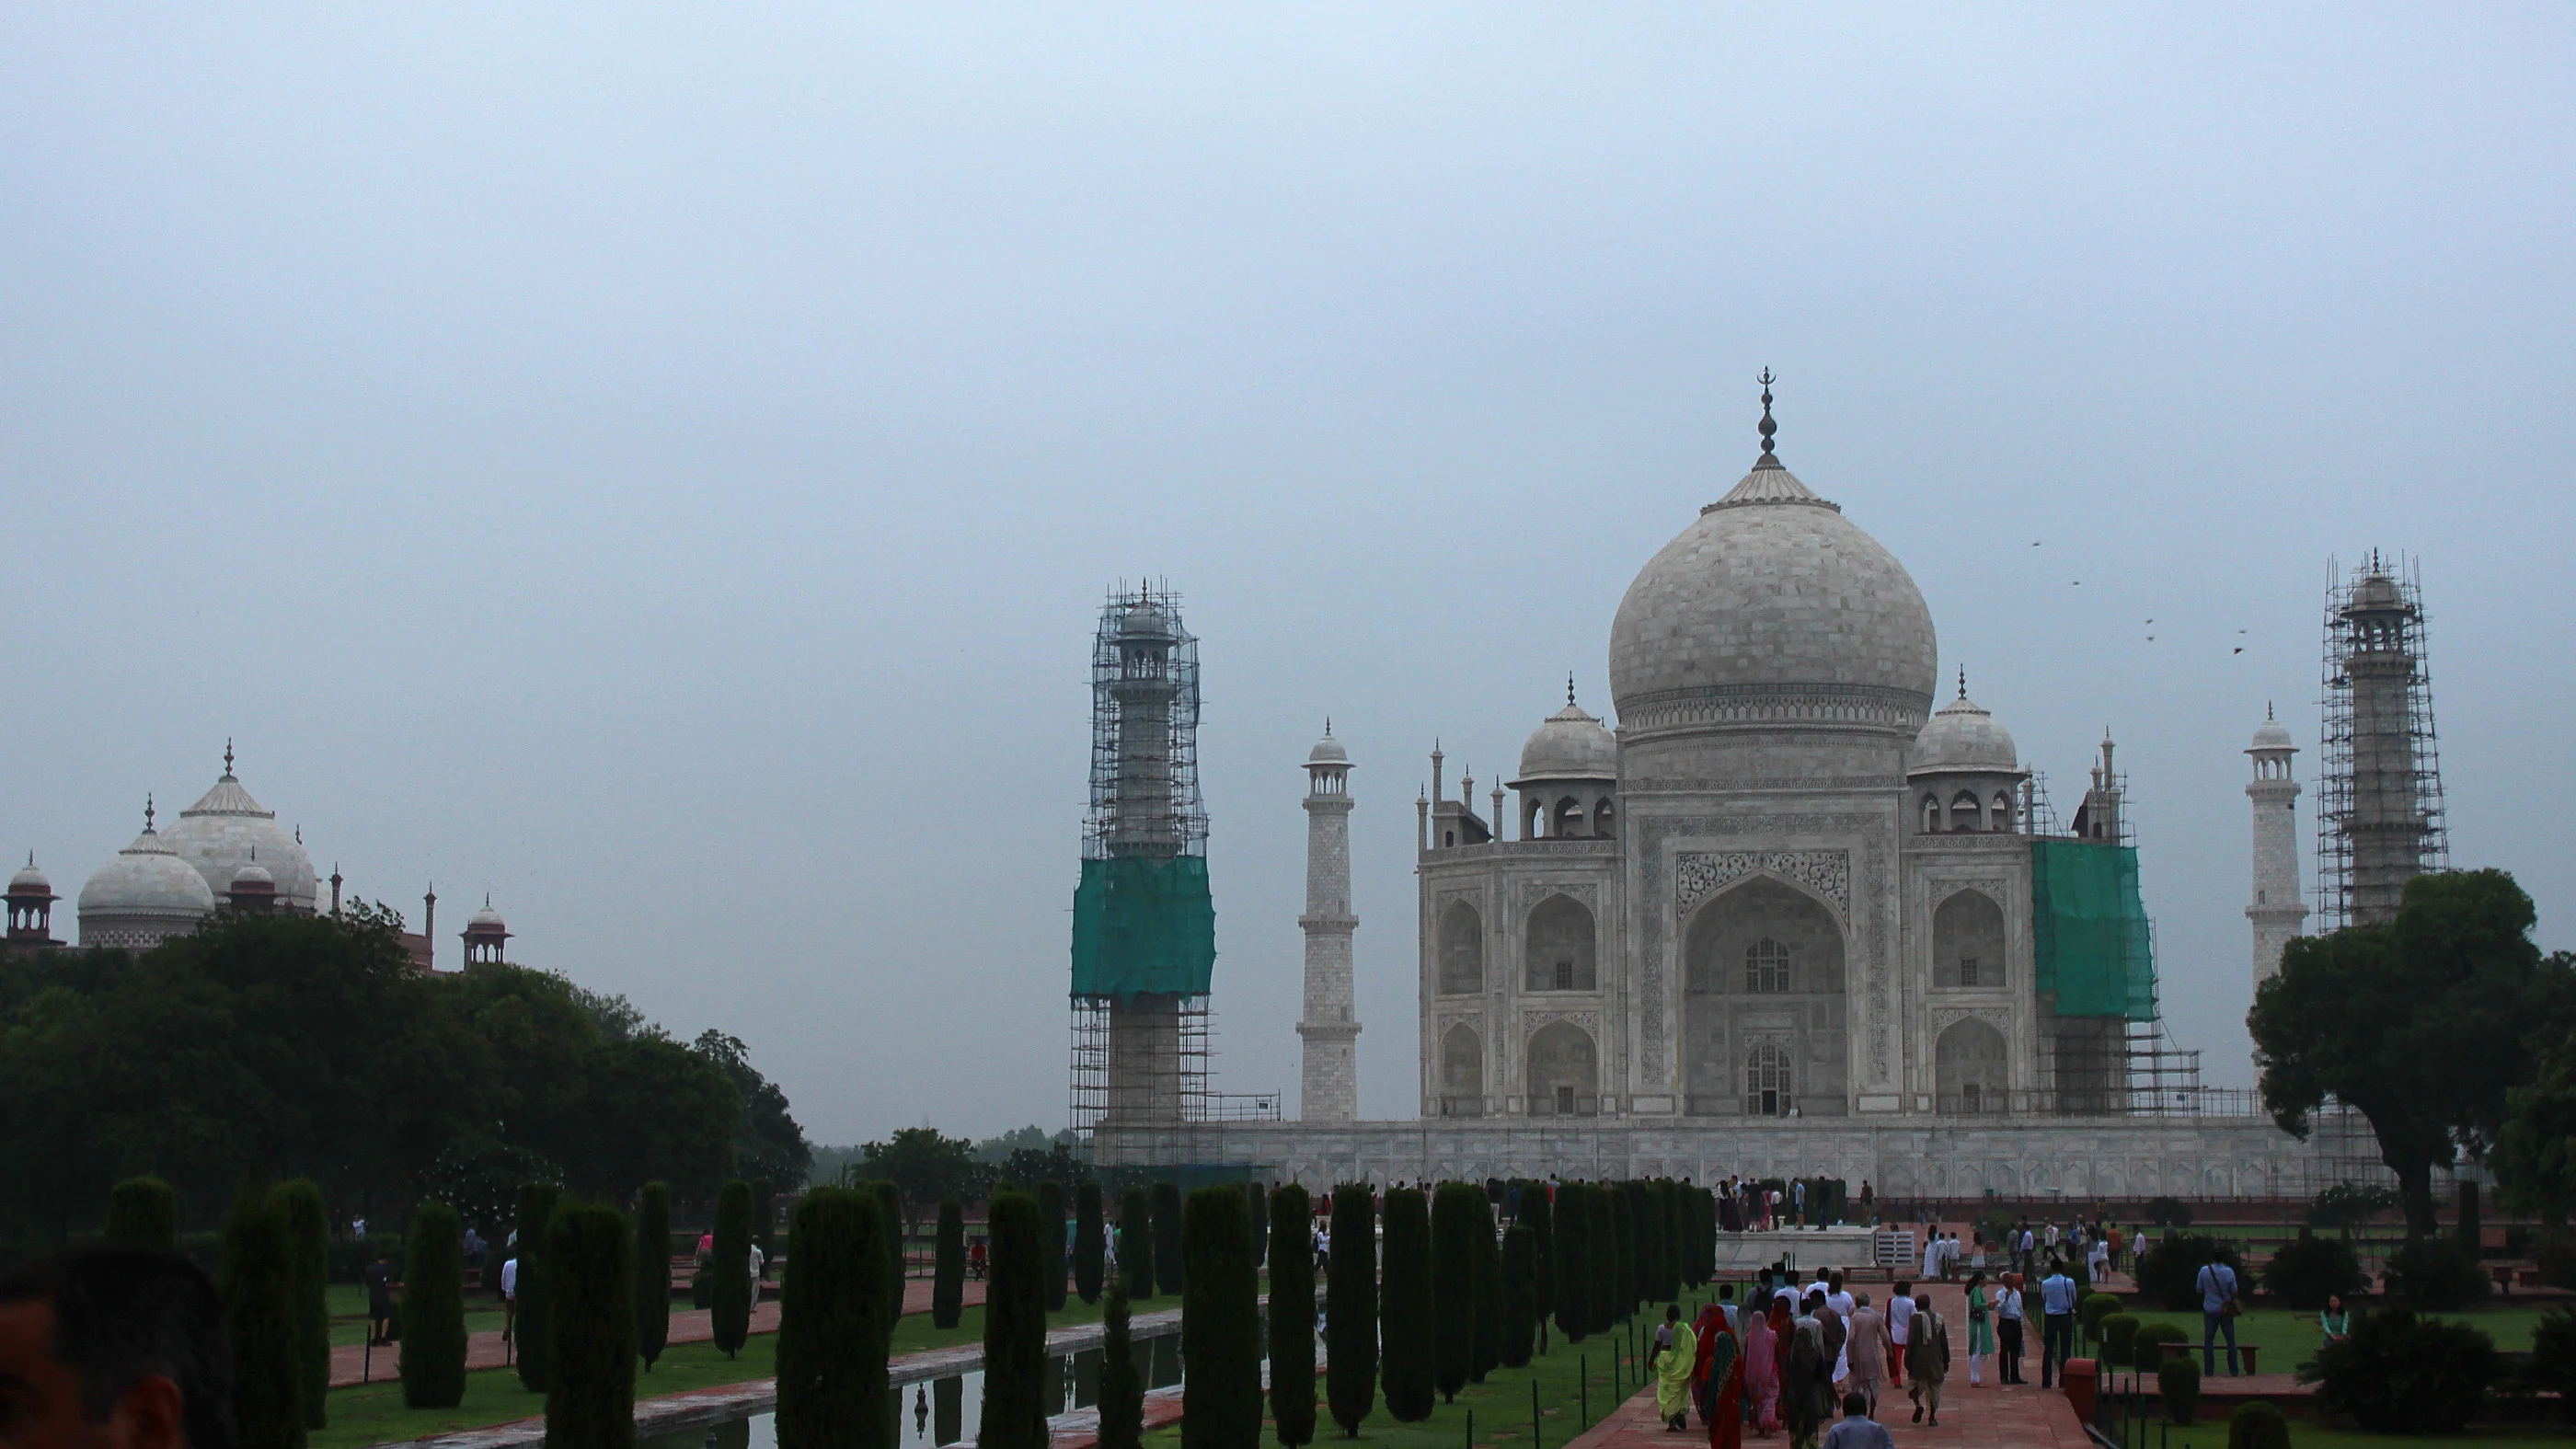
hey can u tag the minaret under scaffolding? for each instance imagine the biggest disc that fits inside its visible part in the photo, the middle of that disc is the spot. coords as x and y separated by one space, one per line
2379 796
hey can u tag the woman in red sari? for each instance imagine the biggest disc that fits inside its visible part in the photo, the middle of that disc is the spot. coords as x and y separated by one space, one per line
1720 1374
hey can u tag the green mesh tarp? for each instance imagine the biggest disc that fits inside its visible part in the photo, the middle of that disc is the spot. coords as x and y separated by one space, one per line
1143 926
2090 929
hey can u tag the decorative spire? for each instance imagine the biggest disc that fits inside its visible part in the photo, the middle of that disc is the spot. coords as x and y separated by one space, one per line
147 812
1328 727
1569 686
1768 428
1963 681
2267 711
228 757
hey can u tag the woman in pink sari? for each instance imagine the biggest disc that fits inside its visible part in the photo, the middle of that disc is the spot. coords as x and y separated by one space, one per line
1762 1344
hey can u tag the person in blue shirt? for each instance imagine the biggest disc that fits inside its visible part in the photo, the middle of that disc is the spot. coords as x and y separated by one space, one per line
2217 1285
2057 1322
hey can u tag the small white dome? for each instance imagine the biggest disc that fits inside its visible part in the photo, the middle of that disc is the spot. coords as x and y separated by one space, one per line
253 874
30 881
2271 736
1569 745
1962 737
1328 751
146 878
486 919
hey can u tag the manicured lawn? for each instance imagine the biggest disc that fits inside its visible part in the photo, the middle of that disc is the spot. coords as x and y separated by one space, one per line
2288 1339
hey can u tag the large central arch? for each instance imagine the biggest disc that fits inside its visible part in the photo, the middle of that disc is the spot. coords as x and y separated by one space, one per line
1763 966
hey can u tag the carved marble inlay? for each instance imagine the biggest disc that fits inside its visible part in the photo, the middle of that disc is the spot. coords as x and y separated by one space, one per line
1697 875
1942 890
1535 891
1945 1017
1590 1021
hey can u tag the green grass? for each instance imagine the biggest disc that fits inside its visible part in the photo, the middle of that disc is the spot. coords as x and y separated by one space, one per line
2288 1339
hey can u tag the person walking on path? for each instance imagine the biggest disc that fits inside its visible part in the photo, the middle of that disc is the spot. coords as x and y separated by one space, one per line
1671 1365
1900 1310
1717 1380
1927 1359
1981 1334
1832 1332
1932 1255
1866 1353
1857 1429
2057 1322
2008 1330
2218 1309
1840 1301
1762 1348
1804 1392
380 1298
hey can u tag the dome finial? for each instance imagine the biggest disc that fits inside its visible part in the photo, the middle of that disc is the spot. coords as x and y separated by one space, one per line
1963 681
1569 686
147 812
228 757
1328 727
2267 711
1768 429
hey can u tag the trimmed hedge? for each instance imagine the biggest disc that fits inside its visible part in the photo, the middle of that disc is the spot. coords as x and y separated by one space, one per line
2167 1271
1220 1321
652 1272
1406 1329
1171 1273
308 1249
1090 1240
1051 1225
1571 1249
590 1376
1350 1308
144 1212
1122 1389
2119 1334
2399 1374
1292 1316
433 1309
1539 1216
256 1284
1520 1317
2144 1356
2178 1389
536 1212
1014 1327
897 1271
730 1268
948 1267
831 1325
2091 1309
2257 1425
1454 1209
1257 1198
1612 1267
1136 1243
1489 1295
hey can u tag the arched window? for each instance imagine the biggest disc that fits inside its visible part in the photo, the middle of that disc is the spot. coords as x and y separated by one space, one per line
1968 1068
1462 951
1968 942
2002 816
1569 817
1564 1072
1601 819
1766 1081
1561 952
1462 1073
1766 966
1964 812
1533 817
1931 816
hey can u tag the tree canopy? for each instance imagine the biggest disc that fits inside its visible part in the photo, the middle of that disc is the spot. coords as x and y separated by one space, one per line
2423 1024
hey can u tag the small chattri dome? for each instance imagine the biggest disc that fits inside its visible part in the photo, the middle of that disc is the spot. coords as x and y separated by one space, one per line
1328 751
486 919
254 876
30 881
1569 745
1963 737
2271 736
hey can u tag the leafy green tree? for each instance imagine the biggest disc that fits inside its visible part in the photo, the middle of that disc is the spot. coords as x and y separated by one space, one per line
1051 1219
1122 1389
590 1380
1519 1292
2422 1024
1014 1327
143 1212
1292 1316
1136 1242
767 1143
1220 1321
1452 1320
1636 1248
652 1272
1170 1270
655 1110
731 1269
1090 1240
256 1283
308 1248
2348 1205
948 1267
433 1309
1350 1308
832 1325
2535 1151
533 1319
1572 1249
2305 1272
1055 1162
1408 1332
925 1167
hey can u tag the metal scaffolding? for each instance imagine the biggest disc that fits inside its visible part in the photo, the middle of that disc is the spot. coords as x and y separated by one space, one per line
2379 793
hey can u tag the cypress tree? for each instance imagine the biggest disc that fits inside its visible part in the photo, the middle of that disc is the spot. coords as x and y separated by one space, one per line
1171 1273
1407 1333
536 1212
1014 1328
1292 1316
433 1309
1649 1228
1704 1237
1122 1389
1259 1200
308 1248
1520 1294
764 1225
1624 1232
948 1267
1051 1222
652 1272
831 1325
1136 1243
590 1373
898 1267
1539 1216
1350 1308
729 1273
1570 1245
1220 1322
143 1212
1668 1239
1608 1293
256 1286
1454 1207
1489 1295
1090 1240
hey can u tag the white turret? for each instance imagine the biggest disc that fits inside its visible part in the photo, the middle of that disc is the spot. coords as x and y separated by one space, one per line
1330 1089
2277 911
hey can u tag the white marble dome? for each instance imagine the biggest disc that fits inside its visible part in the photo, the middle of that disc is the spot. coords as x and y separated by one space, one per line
2271 735
1772 606
142 895
1570 745
30 881
221 833
1328 751
1963 737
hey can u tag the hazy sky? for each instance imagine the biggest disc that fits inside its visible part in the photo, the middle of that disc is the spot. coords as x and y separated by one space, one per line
660 464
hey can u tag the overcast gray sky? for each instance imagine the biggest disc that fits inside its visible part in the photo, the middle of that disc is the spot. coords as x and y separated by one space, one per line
660 464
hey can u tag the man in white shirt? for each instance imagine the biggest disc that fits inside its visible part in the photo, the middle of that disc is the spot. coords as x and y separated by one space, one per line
1932 1254
509 1297
1900 1312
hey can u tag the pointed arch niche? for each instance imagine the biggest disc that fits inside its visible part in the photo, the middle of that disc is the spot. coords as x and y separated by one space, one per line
1763 967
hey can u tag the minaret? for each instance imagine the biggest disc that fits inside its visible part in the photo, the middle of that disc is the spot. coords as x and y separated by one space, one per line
1331 1085
2277 910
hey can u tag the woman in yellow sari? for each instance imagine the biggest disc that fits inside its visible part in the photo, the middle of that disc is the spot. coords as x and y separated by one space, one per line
1675 1357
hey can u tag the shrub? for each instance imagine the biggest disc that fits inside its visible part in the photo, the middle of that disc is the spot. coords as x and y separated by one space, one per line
2552 1362
2555 1254
2399 1374
1136 1243
2167 1272
255 1284
2091 1309
2119 1332
2178 1386
308 1249
1455 1207
1520 1295
2257 1425
2144 1356
702 1288
1571 1247
1220 1322
433 1309
1292 1316
732 1267
143 1211
948 1267
652 1271
536 1211
2309 1270
1014 1327
590 1373
2472 1240
1122 1389
831 1324
1350 1308
2168 1212
1170 1272
2347 1205
2433 1274
1489 1295
1090 1240
1051 1243
1406 1330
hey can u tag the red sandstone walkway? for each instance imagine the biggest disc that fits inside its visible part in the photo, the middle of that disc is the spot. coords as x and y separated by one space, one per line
350 1363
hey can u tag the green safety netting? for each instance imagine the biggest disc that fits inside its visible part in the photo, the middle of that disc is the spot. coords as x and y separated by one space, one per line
1143 926
2090 929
